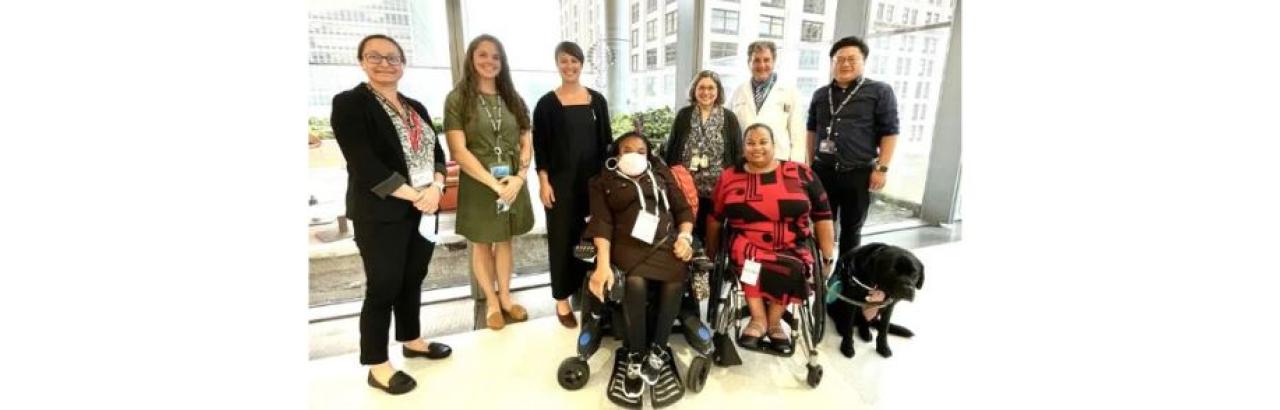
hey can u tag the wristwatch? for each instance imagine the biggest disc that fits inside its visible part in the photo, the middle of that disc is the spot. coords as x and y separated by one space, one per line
882 168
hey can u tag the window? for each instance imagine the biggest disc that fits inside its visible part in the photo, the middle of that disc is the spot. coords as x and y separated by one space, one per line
911 43
651 58
670 54
635 63
880 12
898 68
774 3
652 5
888 14
812 32
635 38
648 87
809 59
635 13
724 21
914 14
770 27
722 49
906 16
651 30
671 23
815 6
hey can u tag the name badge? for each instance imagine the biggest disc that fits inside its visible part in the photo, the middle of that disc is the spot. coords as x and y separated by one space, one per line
646 227
500 171
827 146
420 178
750 272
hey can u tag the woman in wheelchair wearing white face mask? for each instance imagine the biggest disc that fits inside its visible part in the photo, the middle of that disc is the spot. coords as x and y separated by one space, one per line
641 224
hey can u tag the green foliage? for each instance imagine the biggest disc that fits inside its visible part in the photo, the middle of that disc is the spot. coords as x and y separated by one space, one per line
654 124
320 126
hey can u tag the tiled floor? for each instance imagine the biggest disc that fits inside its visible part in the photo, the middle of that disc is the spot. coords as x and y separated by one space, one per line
516 366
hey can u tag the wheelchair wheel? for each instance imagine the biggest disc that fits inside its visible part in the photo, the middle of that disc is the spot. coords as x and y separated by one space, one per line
573 373
819 310
815 375
699 368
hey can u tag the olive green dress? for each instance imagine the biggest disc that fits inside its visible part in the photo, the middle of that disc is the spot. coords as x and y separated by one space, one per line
478 216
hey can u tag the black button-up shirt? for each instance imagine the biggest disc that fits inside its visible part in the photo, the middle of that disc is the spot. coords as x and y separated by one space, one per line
870 115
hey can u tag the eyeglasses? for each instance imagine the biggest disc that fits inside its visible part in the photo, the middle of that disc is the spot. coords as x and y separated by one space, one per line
376 59
849 60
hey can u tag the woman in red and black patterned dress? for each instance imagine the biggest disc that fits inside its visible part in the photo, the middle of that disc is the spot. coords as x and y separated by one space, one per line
771 205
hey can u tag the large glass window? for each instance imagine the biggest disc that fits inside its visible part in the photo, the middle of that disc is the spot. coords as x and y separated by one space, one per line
815 6
670 23
897 37
812 32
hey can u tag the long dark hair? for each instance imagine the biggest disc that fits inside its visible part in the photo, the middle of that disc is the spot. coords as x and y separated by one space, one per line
471 81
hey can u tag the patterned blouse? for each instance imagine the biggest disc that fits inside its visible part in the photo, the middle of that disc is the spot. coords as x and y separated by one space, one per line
418 155
705 138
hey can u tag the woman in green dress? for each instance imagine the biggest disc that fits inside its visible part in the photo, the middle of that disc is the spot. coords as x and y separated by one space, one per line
487 126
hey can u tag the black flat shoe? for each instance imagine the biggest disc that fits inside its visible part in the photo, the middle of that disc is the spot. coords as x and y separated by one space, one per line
782 346
434 351
400 383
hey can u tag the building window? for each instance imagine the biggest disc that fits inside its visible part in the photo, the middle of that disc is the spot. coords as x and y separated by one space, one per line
635 38
914 13
906 16
770 27
774 3
880 12
635 13
648 86
911 43
815 6
651 30
806 85
670 54
651 58
724 21
809 59
652 5
888 14
671 23
635 63
812 32
722 49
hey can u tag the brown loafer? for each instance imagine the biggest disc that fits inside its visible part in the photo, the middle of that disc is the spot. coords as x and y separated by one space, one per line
568 320
517 313
494 320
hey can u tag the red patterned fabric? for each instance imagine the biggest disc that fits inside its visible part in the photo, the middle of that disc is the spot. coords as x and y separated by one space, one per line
769 214
685 181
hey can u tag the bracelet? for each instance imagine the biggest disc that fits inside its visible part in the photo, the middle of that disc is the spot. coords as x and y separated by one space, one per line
688 237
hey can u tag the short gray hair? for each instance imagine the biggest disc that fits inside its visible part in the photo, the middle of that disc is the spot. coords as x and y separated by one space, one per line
761 46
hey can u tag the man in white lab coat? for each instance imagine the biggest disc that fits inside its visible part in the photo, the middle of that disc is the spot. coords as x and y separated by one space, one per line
766 100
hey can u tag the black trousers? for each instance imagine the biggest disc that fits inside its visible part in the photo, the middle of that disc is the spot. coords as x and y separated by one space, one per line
564 230
650 309
395 260
850 196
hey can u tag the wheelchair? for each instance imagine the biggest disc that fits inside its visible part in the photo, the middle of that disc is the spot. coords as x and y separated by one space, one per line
601 319
727 308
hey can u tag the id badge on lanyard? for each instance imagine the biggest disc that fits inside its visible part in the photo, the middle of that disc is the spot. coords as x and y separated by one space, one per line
828 144
646 226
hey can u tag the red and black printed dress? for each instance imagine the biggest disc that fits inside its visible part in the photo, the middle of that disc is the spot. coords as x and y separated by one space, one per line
770 213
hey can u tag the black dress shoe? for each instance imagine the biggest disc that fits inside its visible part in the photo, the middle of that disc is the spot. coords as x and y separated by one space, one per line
434 351
400 383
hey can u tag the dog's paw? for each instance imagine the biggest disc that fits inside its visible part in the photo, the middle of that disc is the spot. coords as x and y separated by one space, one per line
846 347
883 350
864 333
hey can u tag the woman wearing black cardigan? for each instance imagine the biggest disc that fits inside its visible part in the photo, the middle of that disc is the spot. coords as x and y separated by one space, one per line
705 143
395 173
571 131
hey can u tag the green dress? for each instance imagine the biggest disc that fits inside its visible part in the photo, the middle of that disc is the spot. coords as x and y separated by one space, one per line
478 216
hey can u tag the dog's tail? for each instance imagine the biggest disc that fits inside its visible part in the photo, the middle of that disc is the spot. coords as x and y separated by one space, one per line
895 330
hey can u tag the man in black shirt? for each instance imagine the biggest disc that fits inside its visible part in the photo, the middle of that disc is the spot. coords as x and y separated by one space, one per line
852 129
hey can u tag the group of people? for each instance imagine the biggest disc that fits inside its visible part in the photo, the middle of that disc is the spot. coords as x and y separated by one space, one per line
759 164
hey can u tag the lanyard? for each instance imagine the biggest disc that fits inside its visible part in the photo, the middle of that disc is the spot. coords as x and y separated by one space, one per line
660 196
832 106
409 119
495 121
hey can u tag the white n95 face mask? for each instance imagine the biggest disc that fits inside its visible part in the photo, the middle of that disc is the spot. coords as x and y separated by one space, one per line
633 164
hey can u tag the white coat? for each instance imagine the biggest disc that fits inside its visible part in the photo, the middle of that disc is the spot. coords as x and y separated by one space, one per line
781 113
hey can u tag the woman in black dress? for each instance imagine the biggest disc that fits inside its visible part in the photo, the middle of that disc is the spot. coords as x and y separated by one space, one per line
570 134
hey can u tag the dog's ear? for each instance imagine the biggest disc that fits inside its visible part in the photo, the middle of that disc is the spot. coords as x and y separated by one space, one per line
862 255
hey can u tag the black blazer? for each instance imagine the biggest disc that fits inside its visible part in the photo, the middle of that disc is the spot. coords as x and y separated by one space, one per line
375 159
674 147
548 120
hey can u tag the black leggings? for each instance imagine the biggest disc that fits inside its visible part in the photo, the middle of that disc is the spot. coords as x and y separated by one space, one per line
634 308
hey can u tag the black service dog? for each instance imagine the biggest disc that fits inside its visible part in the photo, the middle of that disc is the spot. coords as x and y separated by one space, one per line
887 268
